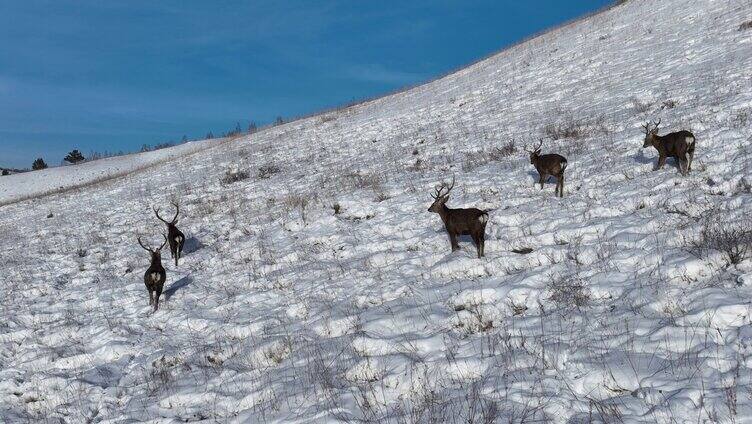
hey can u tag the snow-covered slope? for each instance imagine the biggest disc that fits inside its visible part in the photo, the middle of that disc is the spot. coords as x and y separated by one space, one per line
16 187
320 289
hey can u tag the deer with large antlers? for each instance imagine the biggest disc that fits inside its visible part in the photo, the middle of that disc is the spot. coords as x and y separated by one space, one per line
460 221
155 276
551 164
679 145
174 236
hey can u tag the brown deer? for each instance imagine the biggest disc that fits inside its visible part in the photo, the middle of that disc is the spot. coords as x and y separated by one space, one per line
155 276
460 221
551 164
174 236
679 145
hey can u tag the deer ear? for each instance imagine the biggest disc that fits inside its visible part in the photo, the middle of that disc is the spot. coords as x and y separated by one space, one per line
444 200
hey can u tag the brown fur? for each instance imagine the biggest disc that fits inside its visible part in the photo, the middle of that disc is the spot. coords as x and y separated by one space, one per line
551 164
155 276
458 222
672 145
174 236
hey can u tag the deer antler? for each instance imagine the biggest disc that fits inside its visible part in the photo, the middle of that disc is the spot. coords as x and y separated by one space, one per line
165 242
156 212
646 127
540 143
440 189
657 123
177 211
144 247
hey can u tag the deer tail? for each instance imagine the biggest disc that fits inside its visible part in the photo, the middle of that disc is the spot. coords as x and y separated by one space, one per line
483 218
563 165
691 147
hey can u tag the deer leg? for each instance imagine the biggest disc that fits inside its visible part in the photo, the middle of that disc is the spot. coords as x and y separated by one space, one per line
685 160
560 185
151 297
689 165
453 241
476 240
542 180
482 248
661 162
156 302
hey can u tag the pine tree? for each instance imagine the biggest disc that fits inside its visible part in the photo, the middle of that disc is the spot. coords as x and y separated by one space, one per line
74 157
252 127
38 164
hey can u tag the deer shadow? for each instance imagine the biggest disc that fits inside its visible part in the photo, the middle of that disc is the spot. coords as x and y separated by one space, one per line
641 158
461 238
536 178
177 285
192 244
671 161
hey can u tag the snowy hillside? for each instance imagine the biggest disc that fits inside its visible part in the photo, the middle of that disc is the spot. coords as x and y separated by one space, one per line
319 289
24 186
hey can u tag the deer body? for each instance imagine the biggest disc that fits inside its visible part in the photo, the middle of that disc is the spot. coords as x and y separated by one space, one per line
551 164
458 222
174 236
679 145
155 276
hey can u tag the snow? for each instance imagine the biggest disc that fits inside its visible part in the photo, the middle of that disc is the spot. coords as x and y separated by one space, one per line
326 292
16 187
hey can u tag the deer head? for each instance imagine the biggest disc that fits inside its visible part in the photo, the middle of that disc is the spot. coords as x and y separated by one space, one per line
535 152
156 254
650 133
440 197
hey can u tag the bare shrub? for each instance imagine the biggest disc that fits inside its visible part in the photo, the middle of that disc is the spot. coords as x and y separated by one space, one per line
574 129
473 160
294 202
267 170
382 195
361 181
732 239
640 106
506 150
741 119
745 26
234 175
328 118
162 374
568 291
668 104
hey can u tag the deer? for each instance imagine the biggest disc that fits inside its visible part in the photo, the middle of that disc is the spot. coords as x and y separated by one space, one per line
155 276
550 164
174 236
460 221
679 145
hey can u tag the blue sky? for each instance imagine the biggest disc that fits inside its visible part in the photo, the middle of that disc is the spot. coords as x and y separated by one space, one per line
114 75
